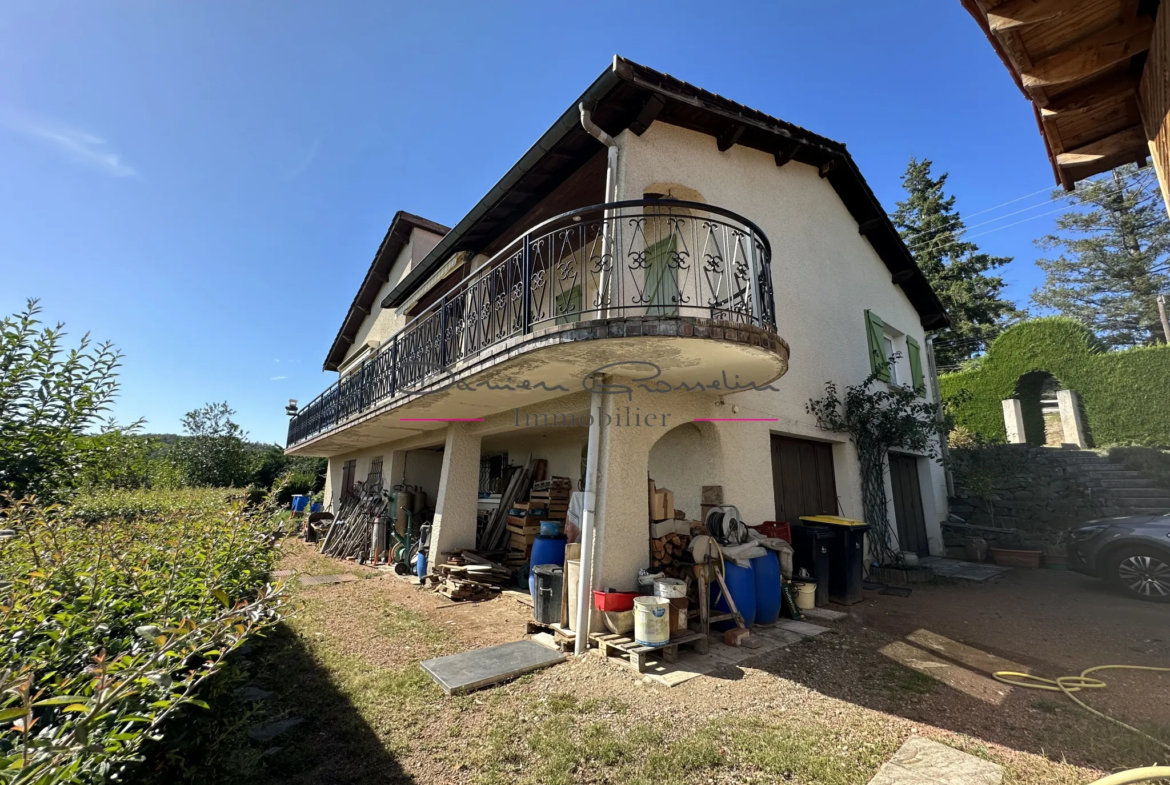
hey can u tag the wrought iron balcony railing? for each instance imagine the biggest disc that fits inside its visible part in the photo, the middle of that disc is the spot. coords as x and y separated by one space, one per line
648 257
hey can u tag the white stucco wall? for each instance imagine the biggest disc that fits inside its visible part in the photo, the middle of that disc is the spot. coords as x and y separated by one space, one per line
825 276
381 322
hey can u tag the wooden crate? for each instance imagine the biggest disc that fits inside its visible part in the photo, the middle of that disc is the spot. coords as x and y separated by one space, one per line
637 655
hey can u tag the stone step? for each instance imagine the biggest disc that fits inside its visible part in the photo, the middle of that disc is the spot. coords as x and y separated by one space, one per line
1126 483
1102 468
1146 510
1116 473
1144 503
1133 493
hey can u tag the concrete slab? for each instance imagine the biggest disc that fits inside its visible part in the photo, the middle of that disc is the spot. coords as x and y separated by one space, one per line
780 635
801 627
320 580
924 762
963 570
473 670
824 614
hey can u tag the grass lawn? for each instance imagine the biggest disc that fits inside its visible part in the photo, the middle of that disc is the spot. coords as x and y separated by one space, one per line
347 664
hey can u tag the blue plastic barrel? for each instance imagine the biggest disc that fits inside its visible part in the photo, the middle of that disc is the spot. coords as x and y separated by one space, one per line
420 565
299 503
742 584
545 550
317 507
766 570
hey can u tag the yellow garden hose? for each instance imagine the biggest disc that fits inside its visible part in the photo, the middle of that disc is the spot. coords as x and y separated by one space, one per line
1135 775
1070 684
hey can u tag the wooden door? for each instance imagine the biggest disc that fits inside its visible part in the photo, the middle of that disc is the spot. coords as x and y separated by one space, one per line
802 478
908 504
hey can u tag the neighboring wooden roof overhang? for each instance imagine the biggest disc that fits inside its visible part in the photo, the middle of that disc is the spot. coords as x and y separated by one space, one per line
396 237
1080 63
629 95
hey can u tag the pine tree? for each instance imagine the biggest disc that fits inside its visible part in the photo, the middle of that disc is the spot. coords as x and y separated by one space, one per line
931 228
1115 257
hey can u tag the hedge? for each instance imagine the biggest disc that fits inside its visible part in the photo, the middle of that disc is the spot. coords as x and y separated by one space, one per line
1122 393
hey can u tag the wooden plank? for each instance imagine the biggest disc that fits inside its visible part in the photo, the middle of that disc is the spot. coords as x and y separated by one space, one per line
1100 155
1154 98
1012 14
1091 55
654 104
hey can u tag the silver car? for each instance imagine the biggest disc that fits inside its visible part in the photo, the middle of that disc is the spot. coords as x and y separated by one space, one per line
1133 552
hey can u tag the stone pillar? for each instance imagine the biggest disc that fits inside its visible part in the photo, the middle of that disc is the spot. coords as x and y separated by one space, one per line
1013 420
1070 418
455 506
623 461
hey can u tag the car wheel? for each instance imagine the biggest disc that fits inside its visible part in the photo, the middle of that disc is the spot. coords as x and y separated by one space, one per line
1143 573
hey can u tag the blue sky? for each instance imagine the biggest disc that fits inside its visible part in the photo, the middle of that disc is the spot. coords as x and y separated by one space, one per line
205 183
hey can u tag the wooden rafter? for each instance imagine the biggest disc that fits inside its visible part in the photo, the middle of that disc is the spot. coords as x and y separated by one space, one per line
1091 55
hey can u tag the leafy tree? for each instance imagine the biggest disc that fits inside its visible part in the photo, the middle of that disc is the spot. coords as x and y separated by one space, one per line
1114 260
956 269
49 398
214 452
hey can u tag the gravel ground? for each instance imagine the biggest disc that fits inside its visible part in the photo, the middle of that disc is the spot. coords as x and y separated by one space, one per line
826 711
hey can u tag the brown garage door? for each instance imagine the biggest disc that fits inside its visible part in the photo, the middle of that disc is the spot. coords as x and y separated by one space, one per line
802 478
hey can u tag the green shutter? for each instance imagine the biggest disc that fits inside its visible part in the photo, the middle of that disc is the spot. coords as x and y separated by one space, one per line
875 330
915 363
661 279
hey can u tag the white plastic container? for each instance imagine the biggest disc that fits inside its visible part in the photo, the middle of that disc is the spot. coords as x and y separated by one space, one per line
652 621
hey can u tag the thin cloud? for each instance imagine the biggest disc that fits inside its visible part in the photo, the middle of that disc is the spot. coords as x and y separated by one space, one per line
277 378
81 146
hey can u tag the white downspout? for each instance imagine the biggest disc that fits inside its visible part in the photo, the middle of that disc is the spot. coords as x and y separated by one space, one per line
611 175
588 536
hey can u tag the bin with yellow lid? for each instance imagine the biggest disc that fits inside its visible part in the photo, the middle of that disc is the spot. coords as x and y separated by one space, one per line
846 556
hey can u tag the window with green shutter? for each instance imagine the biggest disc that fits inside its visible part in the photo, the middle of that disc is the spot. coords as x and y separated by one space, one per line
915 353
875 331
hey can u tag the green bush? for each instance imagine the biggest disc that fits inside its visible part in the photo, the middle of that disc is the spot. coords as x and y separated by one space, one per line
116 625
1121 392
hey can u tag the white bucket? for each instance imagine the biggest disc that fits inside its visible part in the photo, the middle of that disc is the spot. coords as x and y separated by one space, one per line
670 588
652 621
806 596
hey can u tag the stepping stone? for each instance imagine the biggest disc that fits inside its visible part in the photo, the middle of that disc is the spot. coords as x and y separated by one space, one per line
924 762
801 627
780 635
319 580
271 730
473 670
283 574
824 614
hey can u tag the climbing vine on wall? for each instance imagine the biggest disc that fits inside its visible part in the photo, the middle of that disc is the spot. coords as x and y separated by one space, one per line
879 417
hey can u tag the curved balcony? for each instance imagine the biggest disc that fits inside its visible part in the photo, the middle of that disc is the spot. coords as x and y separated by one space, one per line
622 271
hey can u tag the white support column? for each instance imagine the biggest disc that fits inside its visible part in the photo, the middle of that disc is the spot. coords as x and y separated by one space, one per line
393 468
455 507
1070 418
1013 420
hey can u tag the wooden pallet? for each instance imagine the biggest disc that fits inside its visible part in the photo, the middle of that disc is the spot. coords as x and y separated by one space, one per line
609 645
565 638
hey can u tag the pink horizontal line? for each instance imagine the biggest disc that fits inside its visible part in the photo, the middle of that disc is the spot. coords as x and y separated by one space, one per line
736 419
440 419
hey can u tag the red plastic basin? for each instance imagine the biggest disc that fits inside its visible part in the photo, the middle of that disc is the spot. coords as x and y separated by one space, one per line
614 601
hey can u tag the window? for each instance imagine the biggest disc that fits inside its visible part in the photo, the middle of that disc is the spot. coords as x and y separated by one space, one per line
888 342
374 478
569 306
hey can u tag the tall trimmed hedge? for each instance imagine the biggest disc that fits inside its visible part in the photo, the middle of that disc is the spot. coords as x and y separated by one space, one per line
1123 394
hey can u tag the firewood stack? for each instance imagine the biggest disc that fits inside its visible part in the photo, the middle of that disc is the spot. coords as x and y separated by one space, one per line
666 555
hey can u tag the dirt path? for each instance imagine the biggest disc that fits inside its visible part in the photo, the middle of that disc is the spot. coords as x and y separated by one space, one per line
826 711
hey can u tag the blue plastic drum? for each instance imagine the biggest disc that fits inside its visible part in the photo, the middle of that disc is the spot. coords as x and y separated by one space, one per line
742 584
766 570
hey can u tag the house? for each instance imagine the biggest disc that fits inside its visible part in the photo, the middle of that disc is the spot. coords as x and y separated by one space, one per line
657 288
